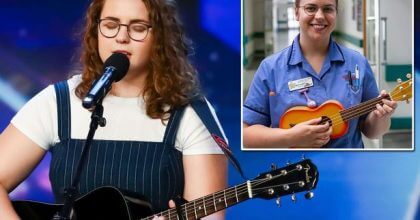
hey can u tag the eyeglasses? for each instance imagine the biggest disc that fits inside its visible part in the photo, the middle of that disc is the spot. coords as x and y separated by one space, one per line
137 31
311 9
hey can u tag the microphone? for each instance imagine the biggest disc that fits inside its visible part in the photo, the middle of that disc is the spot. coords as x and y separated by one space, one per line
115 68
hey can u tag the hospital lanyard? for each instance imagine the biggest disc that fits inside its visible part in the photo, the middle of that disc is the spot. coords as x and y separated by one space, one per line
309 102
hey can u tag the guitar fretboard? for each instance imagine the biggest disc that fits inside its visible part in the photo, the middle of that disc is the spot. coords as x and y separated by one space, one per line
209 204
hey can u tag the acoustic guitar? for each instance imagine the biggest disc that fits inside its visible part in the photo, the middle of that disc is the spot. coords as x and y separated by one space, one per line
333 112
111 203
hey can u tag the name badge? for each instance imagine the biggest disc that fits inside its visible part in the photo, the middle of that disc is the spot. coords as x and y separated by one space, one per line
300 84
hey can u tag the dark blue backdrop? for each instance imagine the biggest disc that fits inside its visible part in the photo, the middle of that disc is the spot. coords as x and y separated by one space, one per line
38 44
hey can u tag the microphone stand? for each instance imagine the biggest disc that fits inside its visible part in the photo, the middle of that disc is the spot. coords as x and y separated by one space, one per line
71 193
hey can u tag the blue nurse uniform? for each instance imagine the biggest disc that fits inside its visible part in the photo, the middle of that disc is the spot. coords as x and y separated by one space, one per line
269 96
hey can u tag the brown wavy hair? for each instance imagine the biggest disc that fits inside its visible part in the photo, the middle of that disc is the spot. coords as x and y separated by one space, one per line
172 80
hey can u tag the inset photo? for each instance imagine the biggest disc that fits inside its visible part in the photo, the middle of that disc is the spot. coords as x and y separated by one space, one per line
327 75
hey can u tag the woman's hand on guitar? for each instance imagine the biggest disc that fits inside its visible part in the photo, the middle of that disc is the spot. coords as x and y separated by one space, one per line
171 205
310 134
386 109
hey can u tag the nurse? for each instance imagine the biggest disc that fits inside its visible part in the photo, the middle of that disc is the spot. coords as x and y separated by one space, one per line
309 72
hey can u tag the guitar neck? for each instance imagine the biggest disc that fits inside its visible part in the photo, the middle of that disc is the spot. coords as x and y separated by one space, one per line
209 204
362 108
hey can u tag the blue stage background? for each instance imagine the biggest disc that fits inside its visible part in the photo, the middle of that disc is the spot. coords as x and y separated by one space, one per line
38 46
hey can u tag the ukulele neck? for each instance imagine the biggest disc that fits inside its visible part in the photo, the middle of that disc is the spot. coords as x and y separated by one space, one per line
362 108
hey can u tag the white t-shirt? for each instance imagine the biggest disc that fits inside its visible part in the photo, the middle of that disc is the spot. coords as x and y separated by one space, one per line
126 119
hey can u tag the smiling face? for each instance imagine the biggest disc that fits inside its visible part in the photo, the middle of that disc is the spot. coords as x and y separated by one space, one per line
317 18
126 12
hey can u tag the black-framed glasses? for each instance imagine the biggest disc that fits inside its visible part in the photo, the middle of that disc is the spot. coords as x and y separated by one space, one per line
312 9
110 28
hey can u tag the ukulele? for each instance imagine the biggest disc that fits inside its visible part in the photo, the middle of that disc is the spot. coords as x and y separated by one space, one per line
108 202
333 112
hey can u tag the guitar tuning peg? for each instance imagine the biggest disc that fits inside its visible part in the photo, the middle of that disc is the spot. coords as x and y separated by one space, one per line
294 198
273 166
278 202
408 75
399 80
309 195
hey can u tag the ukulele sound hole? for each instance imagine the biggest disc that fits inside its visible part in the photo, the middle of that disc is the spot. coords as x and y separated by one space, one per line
323 121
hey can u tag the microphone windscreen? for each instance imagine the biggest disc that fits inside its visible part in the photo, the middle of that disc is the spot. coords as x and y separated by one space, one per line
121 64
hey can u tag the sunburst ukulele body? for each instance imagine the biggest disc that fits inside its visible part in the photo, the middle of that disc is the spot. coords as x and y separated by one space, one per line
333 112
329 111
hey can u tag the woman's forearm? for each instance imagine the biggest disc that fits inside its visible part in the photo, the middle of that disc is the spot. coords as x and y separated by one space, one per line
259 136
374 127
6 209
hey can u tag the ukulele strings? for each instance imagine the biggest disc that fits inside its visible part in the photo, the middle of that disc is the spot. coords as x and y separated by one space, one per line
394 95
365 108
361 109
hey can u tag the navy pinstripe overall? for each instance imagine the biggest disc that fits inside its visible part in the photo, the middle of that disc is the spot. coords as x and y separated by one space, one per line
152 169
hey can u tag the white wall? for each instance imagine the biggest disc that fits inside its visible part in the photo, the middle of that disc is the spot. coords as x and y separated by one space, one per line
248 26
345 24
399 34
399 42
254 22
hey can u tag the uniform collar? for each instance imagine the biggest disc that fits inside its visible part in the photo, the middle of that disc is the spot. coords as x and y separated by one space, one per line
296 56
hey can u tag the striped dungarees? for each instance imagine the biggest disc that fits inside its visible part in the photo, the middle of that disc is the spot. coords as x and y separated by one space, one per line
152 169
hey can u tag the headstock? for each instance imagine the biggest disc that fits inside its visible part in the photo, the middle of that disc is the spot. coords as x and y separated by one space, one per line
293 178
403 91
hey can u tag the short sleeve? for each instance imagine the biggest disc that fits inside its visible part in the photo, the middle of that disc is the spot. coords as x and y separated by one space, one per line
193 138
370 88
256 105
38 118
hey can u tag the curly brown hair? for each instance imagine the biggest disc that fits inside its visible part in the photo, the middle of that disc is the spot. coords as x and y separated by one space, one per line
172 80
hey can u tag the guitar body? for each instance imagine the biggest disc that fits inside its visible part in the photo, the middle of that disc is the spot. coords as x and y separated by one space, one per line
329 108
111 203
102 203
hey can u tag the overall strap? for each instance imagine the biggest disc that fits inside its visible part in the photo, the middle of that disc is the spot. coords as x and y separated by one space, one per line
172 127
202 109
63 110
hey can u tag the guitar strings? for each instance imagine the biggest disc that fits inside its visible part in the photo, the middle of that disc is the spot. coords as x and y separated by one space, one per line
190 209
241 189
278 185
